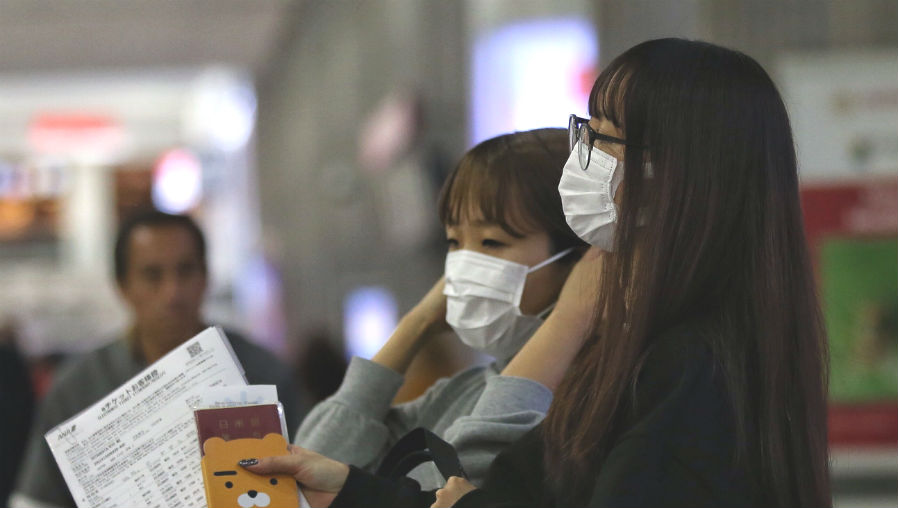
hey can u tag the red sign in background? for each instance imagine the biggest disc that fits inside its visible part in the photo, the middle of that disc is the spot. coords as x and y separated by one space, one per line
864 209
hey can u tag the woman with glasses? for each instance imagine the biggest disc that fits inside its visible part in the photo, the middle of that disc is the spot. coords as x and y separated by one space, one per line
702 379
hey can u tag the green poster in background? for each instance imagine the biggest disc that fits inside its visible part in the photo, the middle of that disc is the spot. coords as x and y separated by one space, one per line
860 305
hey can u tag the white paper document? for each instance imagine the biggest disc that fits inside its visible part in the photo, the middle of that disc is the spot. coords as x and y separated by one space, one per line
138 445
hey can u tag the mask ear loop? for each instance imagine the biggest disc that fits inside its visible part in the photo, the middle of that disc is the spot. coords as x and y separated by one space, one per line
552 259
545 312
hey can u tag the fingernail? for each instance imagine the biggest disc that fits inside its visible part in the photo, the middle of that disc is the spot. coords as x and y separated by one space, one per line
248 462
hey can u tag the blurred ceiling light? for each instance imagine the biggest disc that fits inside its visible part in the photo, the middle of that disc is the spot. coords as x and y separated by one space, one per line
221 110
177 182
370 315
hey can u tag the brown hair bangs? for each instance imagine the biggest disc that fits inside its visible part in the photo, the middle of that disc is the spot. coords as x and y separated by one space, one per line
512 181
607 97
479 189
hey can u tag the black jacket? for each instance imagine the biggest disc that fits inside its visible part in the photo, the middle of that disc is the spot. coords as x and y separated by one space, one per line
675 448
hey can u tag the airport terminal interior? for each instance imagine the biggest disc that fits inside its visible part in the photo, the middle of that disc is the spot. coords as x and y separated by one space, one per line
309 139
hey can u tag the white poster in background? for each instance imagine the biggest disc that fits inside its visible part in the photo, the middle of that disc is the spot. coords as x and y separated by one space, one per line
138 445
844 112
531 74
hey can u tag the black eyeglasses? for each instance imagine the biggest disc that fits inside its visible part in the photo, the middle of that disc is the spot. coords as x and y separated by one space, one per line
579 130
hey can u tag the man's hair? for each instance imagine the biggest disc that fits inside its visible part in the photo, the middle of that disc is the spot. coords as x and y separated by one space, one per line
153 219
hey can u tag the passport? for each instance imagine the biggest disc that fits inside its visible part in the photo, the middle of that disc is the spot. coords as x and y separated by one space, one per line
230 434
237 422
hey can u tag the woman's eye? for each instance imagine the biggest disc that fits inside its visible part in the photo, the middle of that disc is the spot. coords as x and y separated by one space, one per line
493 244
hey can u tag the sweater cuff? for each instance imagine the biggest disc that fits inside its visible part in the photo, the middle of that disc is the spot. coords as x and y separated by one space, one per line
369 387
505 395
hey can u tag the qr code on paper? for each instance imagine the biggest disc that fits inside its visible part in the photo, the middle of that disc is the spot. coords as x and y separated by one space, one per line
194 349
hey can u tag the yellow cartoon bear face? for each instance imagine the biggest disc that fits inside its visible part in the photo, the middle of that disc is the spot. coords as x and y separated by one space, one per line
231 486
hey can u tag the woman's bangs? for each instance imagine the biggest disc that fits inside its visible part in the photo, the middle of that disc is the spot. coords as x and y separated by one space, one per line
479 196
606 99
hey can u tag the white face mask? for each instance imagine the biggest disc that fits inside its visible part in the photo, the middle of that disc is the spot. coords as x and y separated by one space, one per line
483 297
587 196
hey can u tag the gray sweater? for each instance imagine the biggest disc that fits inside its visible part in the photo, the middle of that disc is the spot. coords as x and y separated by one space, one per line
477 411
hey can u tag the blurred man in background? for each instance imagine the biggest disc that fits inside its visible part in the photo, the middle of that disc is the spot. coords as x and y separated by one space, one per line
160 270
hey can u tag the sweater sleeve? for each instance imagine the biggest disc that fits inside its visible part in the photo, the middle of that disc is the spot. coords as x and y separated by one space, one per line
357 425
508 408
350 426
516 476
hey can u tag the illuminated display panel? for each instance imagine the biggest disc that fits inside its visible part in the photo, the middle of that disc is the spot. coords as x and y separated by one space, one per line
531 74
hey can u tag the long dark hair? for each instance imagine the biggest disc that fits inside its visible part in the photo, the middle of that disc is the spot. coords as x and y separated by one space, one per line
720 238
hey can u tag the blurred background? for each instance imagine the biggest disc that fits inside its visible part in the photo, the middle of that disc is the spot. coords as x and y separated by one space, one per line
310 137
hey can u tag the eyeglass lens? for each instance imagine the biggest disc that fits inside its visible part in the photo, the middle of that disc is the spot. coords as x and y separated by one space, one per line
585 146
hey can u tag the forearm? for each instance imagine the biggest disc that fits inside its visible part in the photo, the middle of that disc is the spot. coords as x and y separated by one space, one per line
411 333
548 354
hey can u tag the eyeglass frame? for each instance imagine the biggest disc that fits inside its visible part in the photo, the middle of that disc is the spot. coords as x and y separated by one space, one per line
575 123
